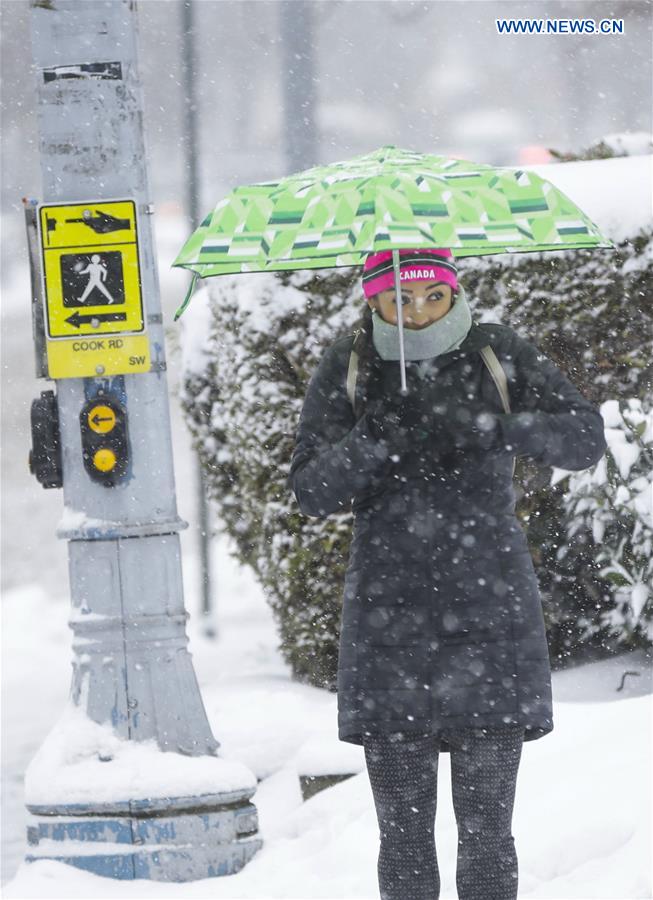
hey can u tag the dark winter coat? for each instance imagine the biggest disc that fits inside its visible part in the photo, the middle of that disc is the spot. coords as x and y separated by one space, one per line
442 623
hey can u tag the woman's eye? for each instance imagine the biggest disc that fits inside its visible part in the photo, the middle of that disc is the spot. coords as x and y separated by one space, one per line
405 300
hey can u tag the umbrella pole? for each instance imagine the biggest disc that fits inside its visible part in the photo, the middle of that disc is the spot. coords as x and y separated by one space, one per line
400 321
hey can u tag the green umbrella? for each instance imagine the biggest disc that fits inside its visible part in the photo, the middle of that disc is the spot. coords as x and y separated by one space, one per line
391 199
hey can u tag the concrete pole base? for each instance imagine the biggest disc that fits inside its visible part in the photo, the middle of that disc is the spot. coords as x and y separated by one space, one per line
168 839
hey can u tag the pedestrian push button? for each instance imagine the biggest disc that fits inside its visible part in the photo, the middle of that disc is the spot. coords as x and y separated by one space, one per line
101 419
45 456
105 443
105 460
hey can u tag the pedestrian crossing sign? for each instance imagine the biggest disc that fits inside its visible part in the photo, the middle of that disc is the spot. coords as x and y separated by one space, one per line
93 315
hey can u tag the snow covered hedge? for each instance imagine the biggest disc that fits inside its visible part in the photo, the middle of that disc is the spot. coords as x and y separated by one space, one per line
591 314
250 344
614 500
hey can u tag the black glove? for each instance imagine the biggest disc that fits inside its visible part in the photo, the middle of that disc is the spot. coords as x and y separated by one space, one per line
398 419
473 427
408 423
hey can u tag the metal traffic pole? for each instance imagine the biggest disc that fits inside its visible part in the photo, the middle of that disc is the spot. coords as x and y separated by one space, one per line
189 50
297 29
104 435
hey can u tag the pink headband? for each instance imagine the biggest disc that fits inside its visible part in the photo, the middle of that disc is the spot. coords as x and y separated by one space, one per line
378 272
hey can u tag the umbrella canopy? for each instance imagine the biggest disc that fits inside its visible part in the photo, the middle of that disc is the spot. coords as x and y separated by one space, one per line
391 199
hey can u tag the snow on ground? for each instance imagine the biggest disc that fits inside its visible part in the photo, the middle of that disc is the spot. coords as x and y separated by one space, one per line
582 812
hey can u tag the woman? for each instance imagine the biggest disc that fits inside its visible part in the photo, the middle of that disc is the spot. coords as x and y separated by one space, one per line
442 642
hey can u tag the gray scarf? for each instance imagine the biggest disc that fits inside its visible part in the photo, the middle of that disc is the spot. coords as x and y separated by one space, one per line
441 336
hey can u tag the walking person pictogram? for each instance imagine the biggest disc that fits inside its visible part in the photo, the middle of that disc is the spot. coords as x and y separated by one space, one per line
97 275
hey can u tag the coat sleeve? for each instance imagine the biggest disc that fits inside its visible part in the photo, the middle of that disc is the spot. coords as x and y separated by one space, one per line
335 457
553 423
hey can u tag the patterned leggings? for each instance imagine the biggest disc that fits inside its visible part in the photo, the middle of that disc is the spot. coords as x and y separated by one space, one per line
403 770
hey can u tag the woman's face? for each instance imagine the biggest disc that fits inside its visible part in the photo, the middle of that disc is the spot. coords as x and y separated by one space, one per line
423 302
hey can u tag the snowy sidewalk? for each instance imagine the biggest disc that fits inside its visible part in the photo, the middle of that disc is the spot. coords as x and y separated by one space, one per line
589 780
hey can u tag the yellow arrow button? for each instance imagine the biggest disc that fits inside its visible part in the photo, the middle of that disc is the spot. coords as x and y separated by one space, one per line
101 419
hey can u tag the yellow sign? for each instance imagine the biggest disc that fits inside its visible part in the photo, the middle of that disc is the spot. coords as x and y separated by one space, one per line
92 287
101 419
87 357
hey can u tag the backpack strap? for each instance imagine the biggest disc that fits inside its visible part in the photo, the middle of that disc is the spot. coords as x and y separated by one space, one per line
352 375
352 371
498 375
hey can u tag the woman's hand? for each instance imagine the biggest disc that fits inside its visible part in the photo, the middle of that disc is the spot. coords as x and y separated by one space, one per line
399 419
408 424
471 426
